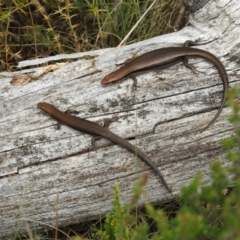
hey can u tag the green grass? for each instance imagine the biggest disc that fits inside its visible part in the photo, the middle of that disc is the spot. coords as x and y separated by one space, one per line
34 29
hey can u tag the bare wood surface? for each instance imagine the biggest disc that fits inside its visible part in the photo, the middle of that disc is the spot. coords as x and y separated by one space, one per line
35 166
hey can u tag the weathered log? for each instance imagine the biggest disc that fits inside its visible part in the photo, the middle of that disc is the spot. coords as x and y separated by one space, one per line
36 166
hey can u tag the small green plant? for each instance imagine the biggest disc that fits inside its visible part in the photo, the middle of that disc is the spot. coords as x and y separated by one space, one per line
121 224
206 212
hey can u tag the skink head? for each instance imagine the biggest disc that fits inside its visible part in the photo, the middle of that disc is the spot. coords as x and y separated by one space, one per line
109 78
46 107
115 76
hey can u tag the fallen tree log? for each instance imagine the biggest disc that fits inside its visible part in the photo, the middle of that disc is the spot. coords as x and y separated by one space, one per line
40 165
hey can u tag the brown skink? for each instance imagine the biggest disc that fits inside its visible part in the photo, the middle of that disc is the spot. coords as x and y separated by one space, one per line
166 56
96 129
